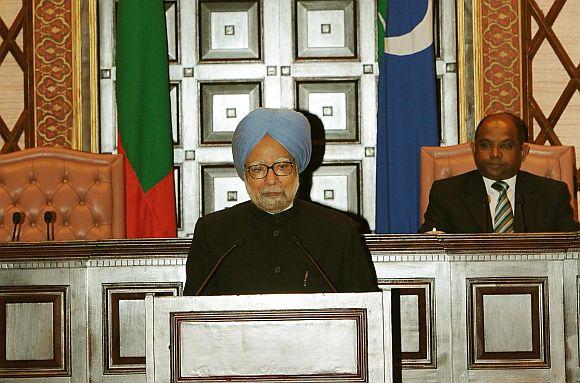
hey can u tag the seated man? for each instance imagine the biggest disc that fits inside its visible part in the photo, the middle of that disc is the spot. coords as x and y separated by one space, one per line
499 197
274 242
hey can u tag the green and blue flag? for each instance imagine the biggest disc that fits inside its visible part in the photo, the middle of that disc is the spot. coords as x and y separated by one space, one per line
407 112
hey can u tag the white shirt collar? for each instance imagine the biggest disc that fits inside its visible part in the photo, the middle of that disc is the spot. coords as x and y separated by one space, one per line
510 181
493 194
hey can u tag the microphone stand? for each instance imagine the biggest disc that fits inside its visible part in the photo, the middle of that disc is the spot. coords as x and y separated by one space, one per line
316 265
217 265
485 208
49 217
17 221
520 209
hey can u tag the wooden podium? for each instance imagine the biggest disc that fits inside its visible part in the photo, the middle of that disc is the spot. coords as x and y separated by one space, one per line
74 312
269 338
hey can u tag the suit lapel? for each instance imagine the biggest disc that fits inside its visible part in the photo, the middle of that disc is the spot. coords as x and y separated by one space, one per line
475 202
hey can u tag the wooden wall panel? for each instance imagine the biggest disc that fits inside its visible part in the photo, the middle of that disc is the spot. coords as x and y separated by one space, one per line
34 331
551 53
507 320
16 112
46 98
53 73
124 321
414 330
499 55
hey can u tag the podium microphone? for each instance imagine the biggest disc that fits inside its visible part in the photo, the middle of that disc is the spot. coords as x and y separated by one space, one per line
17 218
485 213
316 265
211 274
520 211
49 218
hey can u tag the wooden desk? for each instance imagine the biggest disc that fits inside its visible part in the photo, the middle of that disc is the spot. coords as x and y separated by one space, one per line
471 307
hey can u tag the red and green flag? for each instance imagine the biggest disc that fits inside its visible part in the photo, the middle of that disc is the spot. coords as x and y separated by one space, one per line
144 118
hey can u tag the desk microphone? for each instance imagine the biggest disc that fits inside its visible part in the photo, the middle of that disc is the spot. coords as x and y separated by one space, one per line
211 274
485 212
520 211
49 218
316 265
17 218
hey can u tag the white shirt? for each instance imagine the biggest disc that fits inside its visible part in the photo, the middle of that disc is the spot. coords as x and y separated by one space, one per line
493 194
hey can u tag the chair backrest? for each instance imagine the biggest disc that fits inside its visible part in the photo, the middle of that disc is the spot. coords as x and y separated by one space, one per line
85 190
556 162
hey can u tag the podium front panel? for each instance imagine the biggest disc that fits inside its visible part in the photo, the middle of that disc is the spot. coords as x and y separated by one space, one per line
269 338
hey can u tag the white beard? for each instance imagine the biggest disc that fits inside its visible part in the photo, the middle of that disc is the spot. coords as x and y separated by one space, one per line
274 204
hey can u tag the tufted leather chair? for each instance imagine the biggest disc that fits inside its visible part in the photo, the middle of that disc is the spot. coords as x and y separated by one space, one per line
85 190
556 162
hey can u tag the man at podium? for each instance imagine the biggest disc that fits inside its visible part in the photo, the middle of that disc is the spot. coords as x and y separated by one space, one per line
276 243
498 197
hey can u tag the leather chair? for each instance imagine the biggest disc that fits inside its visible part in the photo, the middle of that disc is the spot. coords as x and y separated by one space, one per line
556 162
85 190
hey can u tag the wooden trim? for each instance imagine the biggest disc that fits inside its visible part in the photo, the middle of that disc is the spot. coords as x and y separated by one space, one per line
59 365
531 45
29 93
460 245
113 362
94 74
478 107
359 315
24 126
53 65
471 244
423 288
420 294
77 136
355 55
260 31
478 357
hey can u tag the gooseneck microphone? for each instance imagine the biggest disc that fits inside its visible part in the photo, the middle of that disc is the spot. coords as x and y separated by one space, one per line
520 211
49 218
316 265
211 274
17 218
485 212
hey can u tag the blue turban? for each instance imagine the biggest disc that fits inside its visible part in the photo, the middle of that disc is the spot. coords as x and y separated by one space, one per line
289 128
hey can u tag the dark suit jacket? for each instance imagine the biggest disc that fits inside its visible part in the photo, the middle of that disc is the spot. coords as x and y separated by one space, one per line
459 205
269 259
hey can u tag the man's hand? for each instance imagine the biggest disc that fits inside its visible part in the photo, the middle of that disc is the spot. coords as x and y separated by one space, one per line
434 231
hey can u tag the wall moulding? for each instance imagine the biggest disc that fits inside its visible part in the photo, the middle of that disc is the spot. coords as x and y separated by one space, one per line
64 56
489 49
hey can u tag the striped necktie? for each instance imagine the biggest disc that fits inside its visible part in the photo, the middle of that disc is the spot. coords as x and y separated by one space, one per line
504 217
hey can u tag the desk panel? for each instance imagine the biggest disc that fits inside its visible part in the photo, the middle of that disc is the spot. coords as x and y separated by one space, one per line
469 307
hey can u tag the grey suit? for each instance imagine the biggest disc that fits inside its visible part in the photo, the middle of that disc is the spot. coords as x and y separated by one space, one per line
460 205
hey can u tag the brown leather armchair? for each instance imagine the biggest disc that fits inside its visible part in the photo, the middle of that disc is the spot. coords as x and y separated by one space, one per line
556 162
85 190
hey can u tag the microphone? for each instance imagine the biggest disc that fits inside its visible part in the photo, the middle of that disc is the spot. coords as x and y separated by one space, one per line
316 265
17 218
211 274
520 211
49 218
485 212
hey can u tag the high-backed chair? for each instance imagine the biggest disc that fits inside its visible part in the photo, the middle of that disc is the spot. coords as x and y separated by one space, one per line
85 190
556 162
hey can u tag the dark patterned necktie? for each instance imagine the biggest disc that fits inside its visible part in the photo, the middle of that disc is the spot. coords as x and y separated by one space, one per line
504 217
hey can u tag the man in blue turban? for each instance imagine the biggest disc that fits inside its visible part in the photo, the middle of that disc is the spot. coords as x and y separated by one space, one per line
277 136
275 243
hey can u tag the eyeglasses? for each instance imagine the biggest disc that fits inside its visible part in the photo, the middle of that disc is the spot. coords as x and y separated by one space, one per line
281 168
486 146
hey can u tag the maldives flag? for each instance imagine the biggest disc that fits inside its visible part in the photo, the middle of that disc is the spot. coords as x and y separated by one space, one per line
407 111
144 120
